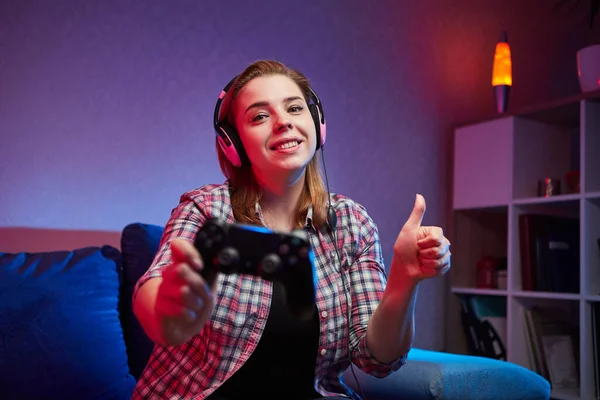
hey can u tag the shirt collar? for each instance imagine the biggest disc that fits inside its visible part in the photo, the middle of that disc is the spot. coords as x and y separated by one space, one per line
308 222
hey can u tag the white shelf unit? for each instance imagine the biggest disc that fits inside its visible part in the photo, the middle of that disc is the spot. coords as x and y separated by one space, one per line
497 166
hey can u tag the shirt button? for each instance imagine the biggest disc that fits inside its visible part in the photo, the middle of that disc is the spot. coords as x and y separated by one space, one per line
324 314
217 325
323 352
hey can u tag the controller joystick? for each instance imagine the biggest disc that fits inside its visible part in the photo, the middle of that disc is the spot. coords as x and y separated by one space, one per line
269 266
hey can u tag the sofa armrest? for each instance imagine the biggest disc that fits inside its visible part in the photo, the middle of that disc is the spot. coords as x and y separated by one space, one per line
436 375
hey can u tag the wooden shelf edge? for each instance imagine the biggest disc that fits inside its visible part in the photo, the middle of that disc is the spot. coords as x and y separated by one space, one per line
479 292
547 295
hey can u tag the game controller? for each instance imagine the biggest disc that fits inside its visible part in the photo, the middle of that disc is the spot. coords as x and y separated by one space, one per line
274 256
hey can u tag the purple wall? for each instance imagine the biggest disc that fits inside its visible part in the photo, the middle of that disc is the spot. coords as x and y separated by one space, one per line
106 106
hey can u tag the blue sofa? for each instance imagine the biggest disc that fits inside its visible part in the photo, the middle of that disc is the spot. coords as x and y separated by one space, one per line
67 331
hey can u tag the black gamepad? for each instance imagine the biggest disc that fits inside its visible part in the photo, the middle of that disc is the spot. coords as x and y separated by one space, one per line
246 249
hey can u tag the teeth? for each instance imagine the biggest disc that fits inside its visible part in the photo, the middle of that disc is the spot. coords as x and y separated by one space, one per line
287 145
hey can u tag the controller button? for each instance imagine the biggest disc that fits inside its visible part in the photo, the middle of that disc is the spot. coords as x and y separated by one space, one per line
283 249
303 252
217 236
208 243
293 260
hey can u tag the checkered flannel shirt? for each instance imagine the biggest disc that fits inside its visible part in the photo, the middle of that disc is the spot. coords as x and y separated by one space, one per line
195 369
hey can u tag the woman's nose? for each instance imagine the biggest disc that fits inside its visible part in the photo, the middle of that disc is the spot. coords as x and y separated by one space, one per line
283 124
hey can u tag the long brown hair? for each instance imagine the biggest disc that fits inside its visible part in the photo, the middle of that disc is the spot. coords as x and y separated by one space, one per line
245 191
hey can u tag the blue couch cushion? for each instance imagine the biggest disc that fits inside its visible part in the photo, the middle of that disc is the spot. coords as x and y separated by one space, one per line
60 334
139 244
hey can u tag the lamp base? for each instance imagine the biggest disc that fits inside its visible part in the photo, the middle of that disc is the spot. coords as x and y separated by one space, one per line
502 94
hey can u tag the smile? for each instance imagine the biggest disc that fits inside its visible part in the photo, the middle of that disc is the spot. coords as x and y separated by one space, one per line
290 145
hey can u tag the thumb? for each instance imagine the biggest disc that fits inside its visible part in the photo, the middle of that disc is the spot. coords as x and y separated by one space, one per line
182 251
416 216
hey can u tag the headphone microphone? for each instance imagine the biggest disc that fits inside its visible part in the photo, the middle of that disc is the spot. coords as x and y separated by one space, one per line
331 218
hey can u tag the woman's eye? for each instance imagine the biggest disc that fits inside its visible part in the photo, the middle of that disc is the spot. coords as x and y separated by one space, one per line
295 109
259 117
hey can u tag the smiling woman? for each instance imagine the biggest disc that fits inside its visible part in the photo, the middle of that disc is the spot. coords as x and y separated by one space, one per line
250 123
269 127
236 338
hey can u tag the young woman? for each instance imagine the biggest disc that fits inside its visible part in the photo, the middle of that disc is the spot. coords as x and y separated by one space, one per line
236 338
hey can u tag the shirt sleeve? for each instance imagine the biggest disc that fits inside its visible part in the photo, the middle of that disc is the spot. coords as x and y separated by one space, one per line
184 222
368 280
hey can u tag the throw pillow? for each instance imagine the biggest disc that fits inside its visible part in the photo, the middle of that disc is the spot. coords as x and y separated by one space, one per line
60 334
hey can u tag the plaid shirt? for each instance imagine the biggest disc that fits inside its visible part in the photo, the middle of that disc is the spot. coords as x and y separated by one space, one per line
195 369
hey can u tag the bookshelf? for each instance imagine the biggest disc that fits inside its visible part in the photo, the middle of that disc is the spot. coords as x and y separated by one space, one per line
497 166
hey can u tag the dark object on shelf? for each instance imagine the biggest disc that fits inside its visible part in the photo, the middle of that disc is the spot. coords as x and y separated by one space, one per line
482 338
549 253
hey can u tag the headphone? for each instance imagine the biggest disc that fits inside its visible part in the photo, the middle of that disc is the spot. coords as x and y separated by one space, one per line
229 139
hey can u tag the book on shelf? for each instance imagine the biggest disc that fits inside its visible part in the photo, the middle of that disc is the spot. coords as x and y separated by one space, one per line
553 346
549 253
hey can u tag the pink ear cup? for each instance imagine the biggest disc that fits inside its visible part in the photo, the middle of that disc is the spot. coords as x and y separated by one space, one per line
229 150
323 133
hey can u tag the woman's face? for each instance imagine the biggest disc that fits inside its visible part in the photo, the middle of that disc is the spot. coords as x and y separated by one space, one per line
275 125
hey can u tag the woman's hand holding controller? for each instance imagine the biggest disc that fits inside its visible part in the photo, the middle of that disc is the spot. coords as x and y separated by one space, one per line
184 300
